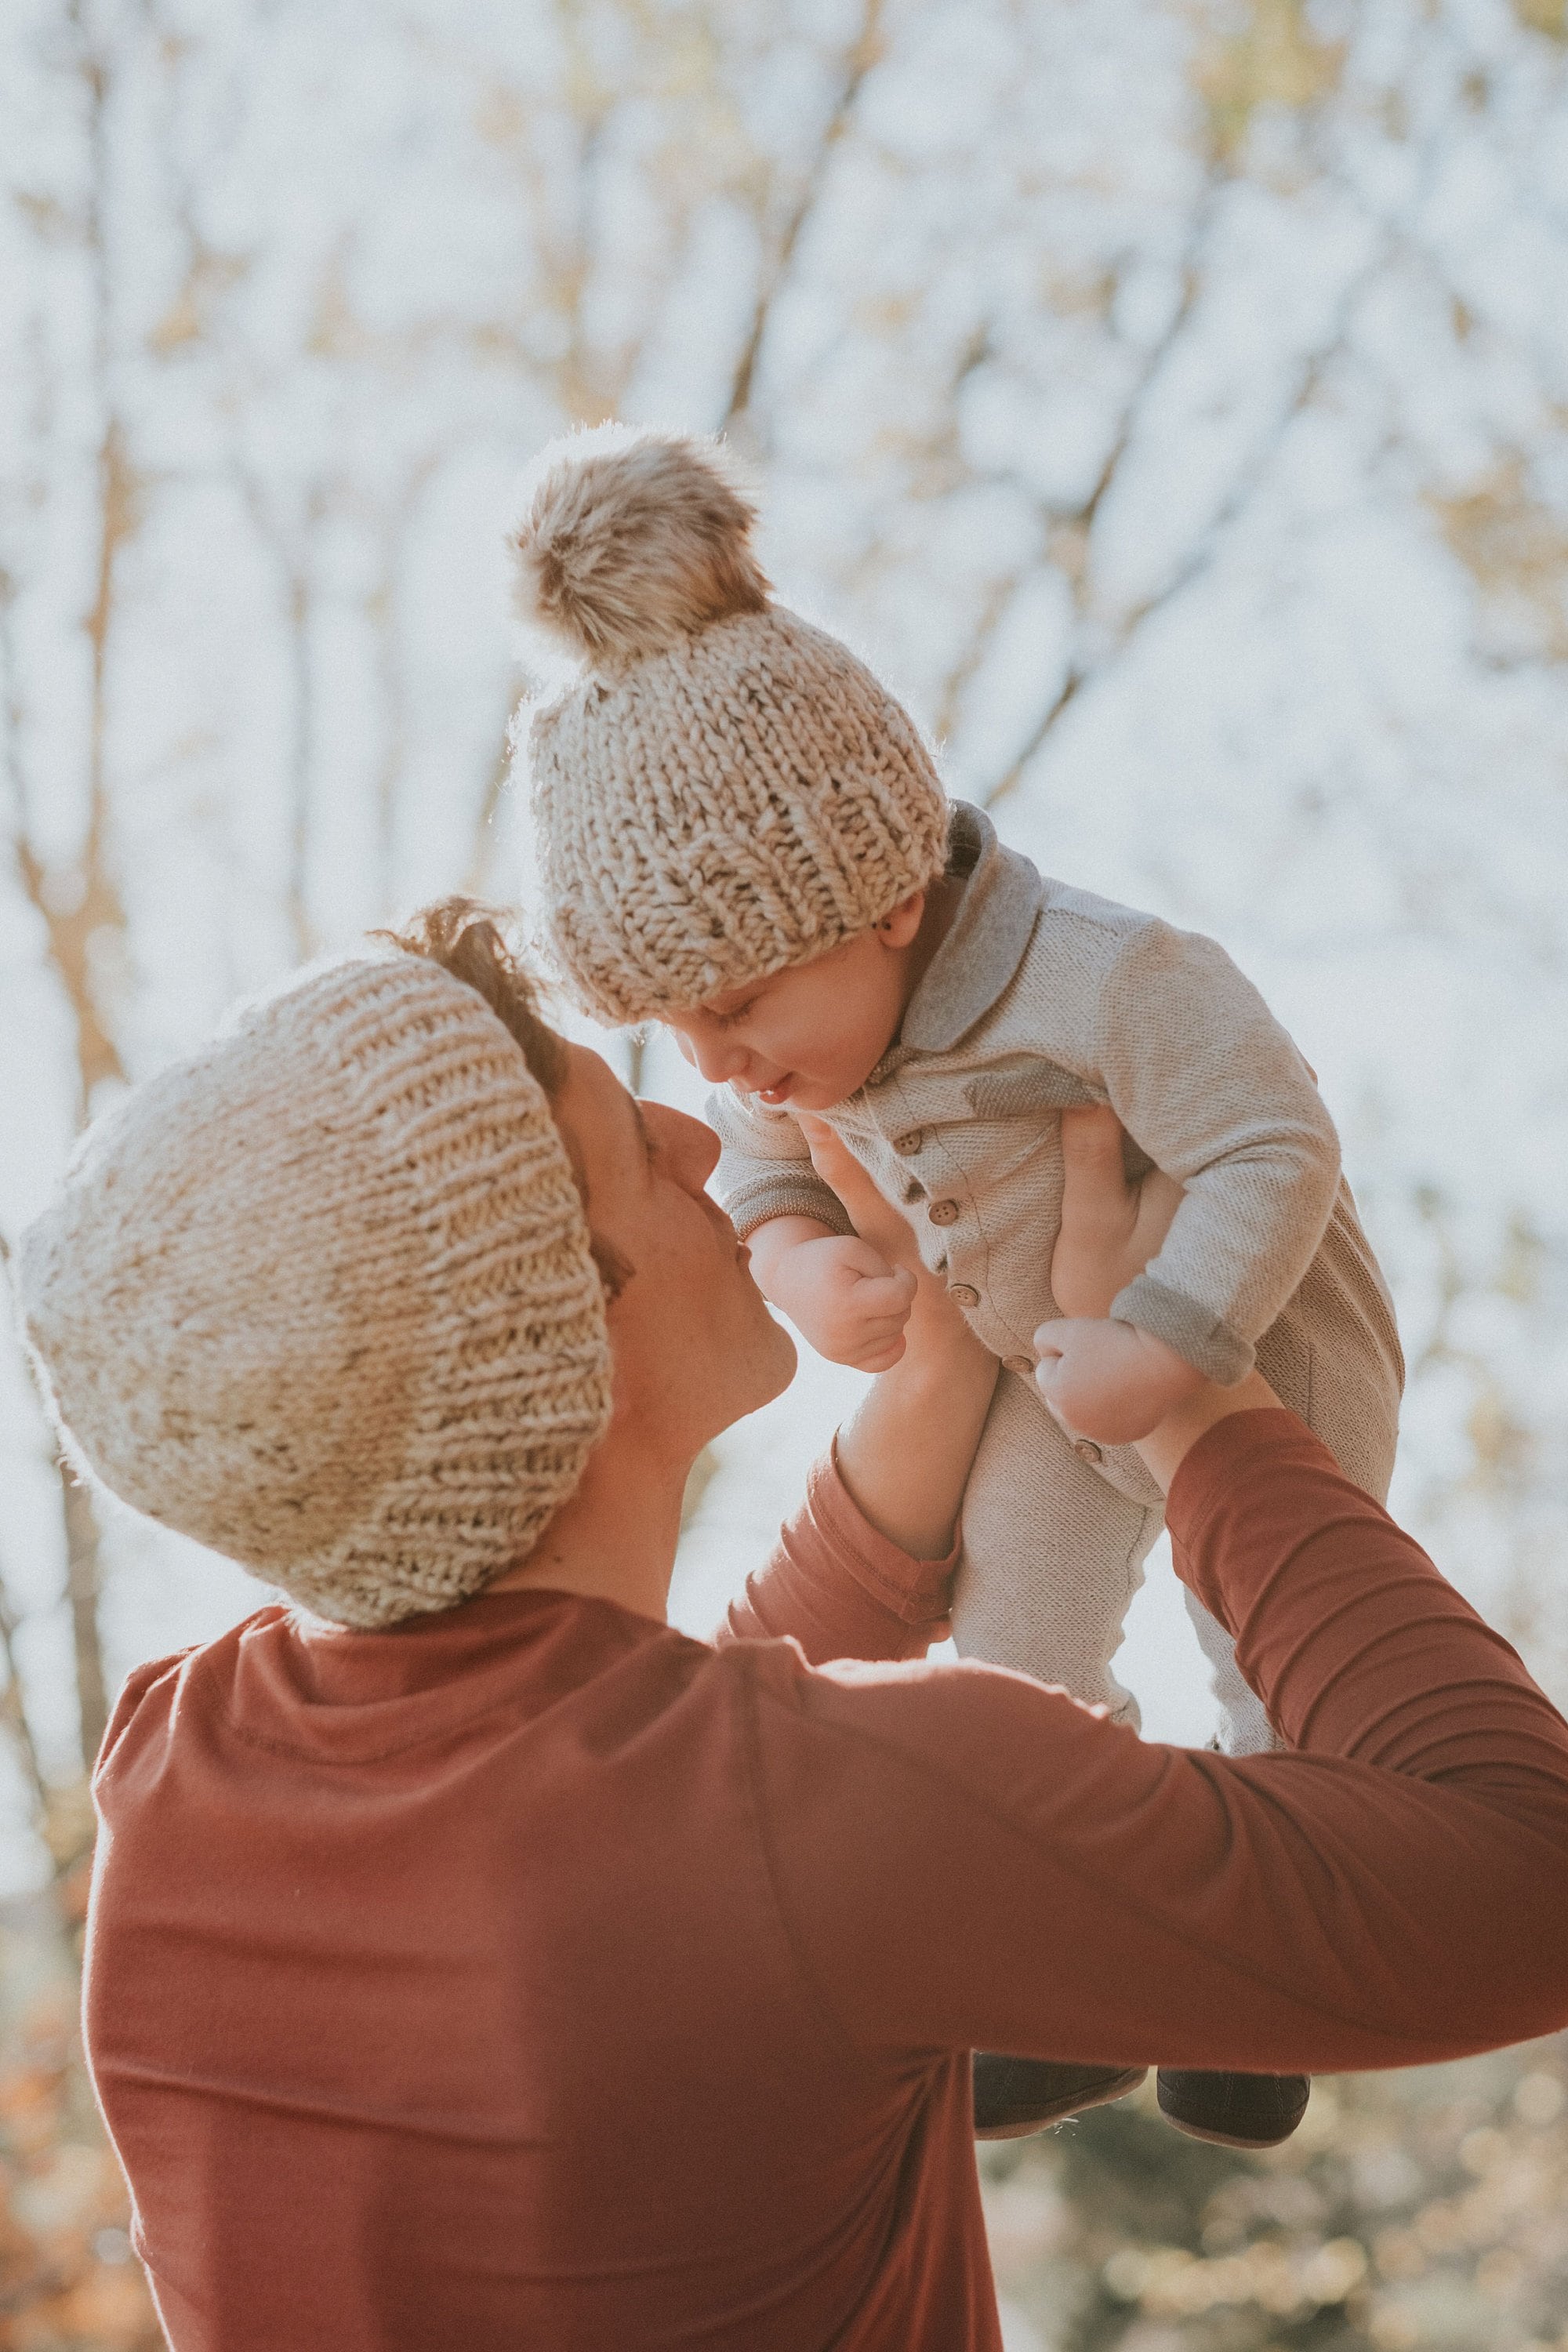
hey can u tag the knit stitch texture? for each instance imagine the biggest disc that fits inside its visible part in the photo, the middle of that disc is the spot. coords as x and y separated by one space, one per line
725 790
321 1296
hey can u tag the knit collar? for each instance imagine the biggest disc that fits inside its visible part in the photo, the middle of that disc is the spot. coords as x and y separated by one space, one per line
985 942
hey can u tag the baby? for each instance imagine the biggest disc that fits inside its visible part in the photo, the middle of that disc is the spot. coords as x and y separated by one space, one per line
744 837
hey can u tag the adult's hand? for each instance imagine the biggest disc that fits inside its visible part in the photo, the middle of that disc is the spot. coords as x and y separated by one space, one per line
874 1220
905 1455
1110 1228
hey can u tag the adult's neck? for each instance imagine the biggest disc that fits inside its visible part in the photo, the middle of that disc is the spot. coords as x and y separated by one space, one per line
615 1540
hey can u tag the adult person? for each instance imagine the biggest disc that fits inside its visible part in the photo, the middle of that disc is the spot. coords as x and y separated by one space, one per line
516 1971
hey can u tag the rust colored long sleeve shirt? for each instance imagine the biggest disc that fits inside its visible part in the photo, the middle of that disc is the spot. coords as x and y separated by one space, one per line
534 1975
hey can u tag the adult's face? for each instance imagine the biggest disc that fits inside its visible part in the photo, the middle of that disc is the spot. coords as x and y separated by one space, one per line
695 1347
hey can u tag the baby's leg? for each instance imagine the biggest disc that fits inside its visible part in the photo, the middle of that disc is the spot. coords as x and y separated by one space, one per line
1244 1727
1052 1555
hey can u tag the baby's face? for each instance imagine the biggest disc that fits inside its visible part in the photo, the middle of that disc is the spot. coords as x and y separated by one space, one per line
807 1037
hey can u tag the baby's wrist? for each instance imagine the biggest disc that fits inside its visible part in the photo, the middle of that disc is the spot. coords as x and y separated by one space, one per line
774 1241
1174 1373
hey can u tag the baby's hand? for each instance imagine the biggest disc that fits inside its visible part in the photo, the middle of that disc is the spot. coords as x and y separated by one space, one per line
1110 1380
846 1298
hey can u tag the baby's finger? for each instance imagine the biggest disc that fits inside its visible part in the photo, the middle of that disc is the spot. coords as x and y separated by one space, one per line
862 1261
1053 1374
889 1296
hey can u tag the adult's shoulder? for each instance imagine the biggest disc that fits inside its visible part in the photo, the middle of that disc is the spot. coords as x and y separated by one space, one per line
153 1694
943 1718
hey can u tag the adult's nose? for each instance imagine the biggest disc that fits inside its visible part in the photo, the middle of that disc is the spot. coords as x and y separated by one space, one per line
688 1146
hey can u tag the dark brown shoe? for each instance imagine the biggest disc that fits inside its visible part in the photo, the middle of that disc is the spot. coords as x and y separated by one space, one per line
1015 2096
1234 2110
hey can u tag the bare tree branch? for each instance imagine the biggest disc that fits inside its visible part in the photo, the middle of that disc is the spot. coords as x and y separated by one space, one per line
1088 664
13 1710
292 553
83 1585
862 55
1072 528
382 607
80 907
14 1713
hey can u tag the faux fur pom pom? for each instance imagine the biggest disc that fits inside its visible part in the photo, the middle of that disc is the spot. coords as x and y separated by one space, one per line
633 542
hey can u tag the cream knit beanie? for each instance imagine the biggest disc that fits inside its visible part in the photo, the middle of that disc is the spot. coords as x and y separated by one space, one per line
725 790
321 1296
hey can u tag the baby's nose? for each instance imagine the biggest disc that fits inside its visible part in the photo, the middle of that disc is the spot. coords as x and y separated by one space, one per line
718 1061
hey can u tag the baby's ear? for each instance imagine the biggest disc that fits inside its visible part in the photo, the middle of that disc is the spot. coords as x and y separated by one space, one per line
899 924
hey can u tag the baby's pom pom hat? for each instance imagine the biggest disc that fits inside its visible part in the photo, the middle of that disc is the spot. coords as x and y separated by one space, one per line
725 790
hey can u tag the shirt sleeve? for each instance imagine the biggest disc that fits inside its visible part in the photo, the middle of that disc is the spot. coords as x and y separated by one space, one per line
1198 1070
965 1859
764 1167
838 1587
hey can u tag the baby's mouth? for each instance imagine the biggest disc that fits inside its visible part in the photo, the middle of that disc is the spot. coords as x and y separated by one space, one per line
778 1093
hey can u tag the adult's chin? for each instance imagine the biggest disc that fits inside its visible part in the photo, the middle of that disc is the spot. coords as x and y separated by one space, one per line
770 1359
756 1370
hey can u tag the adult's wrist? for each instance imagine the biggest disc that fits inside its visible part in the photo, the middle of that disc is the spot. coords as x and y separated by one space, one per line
1167 1446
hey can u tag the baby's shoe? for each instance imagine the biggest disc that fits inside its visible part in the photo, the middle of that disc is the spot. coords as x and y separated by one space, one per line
1015 2096
1234 2110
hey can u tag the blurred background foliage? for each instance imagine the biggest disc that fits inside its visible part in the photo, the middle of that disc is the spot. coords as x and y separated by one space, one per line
1171 396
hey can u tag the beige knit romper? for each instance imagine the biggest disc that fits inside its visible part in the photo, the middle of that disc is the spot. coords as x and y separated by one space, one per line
1041 997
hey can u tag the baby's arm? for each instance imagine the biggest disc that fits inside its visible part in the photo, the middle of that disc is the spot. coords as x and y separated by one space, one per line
843 1294
838 1291
1214 1092
1110 1380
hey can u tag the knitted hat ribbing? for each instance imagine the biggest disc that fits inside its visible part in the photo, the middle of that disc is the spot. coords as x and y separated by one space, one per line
726 791
321 1296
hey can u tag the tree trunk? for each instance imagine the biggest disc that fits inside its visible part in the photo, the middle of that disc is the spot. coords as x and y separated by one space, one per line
82 1586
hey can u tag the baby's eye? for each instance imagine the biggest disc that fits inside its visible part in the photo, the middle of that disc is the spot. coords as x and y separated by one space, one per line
730 1020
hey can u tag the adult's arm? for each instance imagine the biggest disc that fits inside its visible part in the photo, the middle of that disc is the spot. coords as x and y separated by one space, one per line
862 1568
838 1587
965 1859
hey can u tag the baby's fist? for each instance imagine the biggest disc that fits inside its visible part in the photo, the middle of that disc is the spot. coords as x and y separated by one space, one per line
845 1297
1110 1380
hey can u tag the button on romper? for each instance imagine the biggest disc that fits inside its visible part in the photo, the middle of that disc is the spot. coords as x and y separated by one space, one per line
1041 997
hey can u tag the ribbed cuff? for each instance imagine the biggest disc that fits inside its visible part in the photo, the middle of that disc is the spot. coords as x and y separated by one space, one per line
759 1198
1210 1345
917 1591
